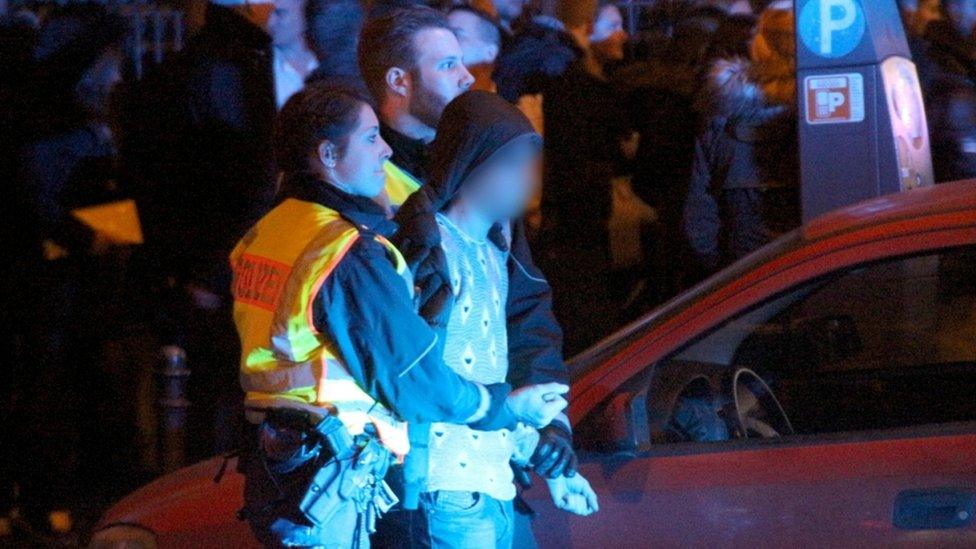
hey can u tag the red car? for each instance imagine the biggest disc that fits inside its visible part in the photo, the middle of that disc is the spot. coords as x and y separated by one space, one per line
821 392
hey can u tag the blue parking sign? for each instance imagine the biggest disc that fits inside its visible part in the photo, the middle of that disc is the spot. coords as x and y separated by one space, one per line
832 28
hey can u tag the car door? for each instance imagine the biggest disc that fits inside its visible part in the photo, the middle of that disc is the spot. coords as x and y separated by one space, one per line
876 367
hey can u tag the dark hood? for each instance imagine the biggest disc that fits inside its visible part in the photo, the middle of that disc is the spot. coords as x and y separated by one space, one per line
473 129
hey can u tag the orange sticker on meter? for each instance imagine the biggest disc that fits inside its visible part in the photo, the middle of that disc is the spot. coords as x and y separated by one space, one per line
834 98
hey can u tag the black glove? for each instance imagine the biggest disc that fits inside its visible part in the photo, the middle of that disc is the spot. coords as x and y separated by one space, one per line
554 455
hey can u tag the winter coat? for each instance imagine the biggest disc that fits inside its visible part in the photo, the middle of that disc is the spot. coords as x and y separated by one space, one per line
474 128
531 57
199 140
663 110
585 121
745 183
64 156
535 340
365 309
947 71
333 31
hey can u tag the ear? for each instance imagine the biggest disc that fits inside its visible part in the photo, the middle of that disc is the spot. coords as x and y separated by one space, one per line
328 155
398 81
491 50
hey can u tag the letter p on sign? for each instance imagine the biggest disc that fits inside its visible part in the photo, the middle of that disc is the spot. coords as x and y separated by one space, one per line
831 28
830 23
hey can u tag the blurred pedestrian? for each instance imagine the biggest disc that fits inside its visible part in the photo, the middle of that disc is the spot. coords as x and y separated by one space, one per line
587 132
745 186
292 60
534 50
661 101
198 141
333 32
480 42
66 161
947 70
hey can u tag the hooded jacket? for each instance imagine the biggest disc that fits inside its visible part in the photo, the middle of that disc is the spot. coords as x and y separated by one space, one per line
534 337
473 129
744 188
532 57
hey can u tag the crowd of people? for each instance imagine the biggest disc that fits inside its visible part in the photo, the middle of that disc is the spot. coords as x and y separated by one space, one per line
663 156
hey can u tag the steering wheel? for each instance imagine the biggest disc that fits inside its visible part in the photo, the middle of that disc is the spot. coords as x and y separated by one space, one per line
753 410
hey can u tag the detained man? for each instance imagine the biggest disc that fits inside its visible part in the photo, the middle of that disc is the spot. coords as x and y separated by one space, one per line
483 164
412 64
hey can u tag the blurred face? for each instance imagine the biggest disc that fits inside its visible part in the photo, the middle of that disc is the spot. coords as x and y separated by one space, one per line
504 186
740 7
286 24
440 75
509 10
474 50
359 169
96 84
608 37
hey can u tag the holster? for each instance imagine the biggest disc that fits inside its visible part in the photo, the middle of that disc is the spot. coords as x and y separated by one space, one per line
347 491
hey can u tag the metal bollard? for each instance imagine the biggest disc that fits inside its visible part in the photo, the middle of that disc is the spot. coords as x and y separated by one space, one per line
174 407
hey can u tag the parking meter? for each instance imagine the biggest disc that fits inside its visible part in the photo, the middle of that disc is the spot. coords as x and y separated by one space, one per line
862 122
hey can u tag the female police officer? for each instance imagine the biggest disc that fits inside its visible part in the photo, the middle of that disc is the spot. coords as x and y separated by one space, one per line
328 330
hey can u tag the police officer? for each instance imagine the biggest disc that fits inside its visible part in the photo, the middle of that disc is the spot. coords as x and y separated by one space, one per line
335 359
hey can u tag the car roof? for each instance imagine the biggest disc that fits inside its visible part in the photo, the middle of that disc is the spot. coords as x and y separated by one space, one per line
935 200
923 201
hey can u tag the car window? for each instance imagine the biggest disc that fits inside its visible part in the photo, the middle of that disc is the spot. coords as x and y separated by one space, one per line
887 344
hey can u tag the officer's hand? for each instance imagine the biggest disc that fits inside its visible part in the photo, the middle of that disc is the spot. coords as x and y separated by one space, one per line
554 456
573 495
435 297
537 405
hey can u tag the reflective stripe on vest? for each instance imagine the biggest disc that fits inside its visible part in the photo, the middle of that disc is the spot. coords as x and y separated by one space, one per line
279 268
399 184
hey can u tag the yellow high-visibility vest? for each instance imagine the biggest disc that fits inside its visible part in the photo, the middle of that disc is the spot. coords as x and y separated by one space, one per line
399 184
279 267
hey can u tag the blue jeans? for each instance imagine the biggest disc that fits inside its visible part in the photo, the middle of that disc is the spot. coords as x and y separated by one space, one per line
462 520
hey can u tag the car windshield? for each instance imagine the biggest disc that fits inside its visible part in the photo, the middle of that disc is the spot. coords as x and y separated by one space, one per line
602 351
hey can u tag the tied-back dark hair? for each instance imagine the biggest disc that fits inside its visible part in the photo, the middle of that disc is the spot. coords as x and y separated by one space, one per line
387 42
320 111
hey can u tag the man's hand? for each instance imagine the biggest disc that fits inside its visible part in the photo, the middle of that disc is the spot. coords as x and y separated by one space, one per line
538 405
554 456
574 495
